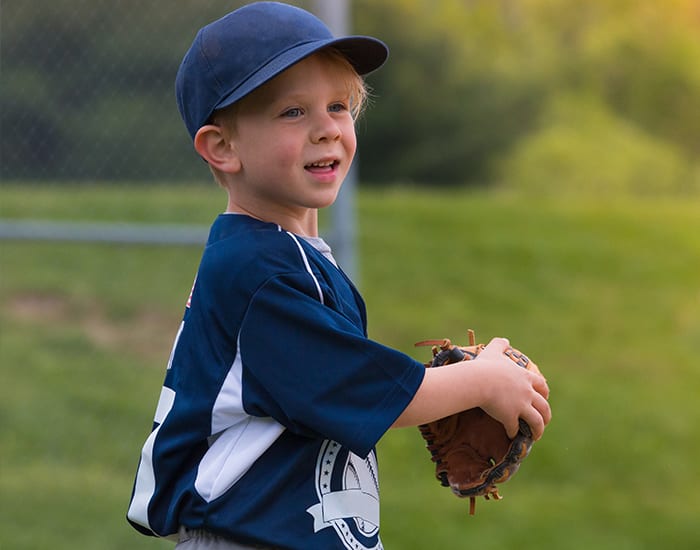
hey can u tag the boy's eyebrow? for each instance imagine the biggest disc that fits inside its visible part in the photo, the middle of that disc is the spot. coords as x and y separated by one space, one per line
301 97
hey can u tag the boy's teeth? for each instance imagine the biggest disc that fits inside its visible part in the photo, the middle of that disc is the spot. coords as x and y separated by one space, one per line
322 164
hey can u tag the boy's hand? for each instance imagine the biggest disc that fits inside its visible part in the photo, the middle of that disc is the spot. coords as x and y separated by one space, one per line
512 392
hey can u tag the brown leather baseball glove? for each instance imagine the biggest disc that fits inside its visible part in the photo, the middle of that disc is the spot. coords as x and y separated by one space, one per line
471 450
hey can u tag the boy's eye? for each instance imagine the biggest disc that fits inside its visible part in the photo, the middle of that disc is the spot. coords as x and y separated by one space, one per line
292 113
337 108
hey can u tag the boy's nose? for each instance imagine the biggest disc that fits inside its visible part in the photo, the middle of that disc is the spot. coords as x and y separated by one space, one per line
325 129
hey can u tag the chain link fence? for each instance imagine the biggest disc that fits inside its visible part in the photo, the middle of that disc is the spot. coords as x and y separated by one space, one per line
87 89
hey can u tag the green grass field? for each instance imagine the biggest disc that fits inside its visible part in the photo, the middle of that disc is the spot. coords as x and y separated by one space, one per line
604 295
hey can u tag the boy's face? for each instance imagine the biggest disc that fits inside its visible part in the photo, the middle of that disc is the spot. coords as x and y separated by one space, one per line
295 140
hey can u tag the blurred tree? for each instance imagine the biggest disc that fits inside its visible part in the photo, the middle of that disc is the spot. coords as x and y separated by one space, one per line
644 60
582 147
449 101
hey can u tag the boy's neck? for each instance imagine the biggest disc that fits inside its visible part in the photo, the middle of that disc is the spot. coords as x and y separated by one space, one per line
304 226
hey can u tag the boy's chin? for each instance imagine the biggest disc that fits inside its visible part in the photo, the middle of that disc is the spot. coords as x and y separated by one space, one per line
326 199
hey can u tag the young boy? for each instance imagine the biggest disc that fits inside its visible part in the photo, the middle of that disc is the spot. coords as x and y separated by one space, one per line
274 397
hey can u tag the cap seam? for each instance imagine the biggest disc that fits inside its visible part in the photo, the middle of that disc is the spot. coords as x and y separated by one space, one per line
209 64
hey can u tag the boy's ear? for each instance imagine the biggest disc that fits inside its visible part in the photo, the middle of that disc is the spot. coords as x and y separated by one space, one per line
213 145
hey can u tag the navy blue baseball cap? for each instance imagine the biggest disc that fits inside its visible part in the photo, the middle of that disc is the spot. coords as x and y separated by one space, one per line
236 54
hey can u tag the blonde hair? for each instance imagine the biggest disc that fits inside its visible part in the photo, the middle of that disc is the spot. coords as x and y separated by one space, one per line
357 87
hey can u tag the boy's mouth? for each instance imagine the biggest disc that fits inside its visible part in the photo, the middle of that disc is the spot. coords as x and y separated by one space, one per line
322 167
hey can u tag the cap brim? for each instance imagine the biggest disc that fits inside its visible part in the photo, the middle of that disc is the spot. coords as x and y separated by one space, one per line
366 54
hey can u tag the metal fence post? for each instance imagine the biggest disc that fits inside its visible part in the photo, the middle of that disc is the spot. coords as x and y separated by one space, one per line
336 14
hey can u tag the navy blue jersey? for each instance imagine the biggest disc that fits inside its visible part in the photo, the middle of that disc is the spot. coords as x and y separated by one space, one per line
273 401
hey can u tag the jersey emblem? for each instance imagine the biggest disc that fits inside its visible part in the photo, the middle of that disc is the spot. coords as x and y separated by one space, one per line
348 490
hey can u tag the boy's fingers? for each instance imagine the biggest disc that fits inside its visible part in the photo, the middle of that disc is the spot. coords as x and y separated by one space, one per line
538 416
495 348
512 428
538 413
536 422
540 385
542 407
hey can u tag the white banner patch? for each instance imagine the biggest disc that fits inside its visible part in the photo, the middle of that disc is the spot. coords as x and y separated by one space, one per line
348 492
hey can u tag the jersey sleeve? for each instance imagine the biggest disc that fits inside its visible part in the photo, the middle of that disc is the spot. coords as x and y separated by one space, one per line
309 365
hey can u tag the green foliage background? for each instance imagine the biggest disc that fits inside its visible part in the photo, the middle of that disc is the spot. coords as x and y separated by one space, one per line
603 295
475 92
